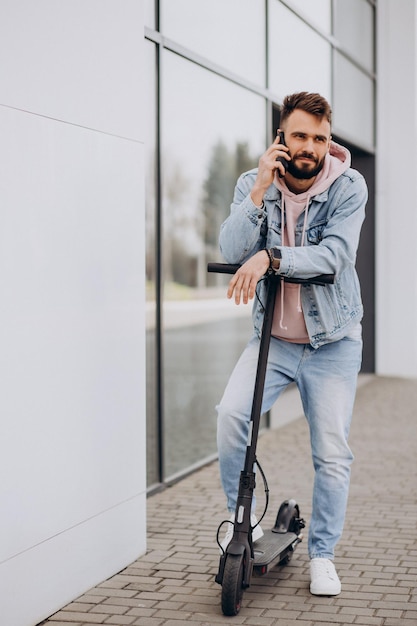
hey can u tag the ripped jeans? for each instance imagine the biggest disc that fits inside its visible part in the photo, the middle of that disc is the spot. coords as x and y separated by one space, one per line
326 378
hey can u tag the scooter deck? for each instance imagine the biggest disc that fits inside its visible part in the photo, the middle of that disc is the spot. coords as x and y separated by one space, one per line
273 548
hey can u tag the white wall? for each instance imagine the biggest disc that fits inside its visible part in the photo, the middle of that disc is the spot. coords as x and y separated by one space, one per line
72 367
396 200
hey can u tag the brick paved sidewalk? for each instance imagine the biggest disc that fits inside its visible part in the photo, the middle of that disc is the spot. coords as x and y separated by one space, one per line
173 583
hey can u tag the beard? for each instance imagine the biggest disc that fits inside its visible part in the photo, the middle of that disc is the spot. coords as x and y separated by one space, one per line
305 172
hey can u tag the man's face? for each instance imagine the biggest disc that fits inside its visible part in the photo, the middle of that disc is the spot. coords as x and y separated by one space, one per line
308 139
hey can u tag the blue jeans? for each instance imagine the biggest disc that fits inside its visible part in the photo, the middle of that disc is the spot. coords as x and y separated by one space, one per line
326 378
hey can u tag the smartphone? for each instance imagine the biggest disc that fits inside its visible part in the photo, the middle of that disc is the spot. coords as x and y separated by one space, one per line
281 159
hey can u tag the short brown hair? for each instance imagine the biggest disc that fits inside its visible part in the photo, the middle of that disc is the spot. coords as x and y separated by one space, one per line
312 103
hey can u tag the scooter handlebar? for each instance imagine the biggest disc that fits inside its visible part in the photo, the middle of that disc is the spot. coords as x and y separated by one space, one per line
230 268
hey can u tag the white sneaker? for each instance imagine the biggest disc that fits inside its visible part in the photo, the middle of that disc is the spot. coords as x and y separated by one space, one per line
324 578
257 532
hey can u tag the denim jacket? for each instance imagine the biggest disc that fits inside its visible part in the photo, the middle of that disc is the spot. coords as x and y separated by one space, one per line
334 221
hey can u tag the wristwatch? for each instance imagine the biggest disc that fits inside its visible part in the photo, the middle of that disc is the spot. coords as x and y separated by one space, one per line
275 258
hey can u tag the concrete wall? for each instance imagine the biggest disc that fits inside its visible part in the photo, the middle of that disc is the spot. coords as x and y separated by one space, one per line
72 367
396 200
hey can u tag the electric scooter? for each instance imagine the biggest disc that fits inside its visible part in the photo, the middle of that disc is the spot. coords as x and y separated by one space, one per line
243 557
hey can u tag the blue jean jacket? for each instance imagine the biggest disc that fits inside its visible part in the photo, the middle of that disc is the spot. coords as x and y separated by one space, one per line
334 222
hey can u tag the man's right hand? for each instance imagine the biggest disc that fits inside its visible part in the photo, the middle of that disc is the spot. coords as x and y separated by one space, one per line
267 167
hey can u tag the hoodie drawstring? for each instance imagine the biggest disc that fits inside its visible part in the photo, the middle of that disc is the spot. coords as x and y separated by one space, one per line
281 321
303 234
299 309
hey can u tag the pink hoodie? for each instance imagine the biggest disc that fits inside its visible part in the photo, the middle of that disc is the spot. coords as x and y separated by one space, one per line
288 322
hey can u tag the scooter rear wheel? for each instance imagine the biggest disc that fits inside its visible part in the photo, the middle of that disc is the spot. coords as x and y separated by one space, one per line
232 588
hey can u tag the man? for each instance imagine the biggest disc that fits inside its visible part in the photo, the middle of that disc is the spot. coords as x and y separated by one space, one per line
300 221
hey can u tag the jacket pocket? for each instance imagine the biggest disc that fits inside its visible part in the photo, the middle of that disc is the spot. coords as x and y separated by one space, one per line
315 233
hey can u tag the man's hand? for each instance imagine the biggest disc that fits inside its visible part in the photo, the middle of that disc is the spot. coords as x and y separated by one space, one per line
243 284
267 167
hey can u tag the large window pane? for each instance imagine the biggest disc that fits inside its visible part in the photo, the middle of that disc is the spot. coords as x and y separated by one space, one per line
354 28
150 203
353 103
318 12
150 13
231 34
299 59
212 130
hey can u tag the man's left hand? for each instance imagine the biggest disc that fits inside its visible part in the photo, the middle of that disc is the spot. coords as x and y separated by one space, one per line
243 284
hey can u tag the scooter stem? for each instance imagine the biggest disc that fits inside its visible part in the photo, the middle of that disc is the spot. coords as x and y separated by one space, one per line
242 537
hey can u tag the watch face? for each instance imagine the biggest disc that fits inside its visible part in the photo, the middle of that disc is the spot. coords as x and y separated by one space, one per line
276 253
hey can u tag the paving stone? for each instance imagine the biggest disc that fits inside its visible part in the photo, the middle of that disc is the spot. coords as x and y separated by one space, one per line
148 621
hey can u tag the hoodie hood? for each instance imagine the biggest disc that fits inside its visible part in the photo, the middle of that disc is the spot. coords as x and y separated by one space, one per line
336 162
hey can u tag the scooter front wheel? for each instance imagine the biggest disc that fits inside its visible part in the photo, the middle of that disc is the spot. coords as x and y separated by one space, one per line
232 585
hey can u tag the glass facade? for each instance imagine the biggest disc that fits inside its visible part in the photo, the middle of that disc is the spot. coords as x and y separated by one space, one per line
230 34
151 189
206 142
318 12
299 59
353 102
216 72
150 14
354 28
